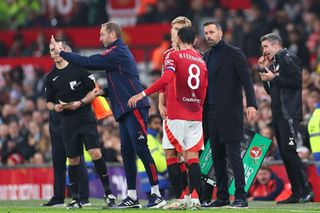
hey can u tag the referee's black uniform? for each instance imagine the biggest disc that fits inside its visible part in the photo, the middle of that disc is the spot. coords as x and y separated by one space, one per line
78 126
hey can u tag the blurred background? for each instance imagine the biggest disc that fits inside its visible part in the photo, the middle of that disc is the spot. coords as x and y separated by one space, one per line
26 26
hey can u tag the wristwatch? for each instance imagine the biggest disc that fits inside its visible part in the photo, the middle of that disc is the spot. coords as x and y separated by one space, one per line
82 103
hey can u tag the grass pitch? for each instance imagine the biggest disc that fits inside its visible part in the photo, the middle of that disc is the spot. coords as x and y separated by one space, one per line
34 206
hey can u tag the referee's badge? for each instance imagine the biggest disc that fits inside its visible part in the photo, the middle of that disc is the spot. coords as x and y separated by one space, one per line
73 84
92 77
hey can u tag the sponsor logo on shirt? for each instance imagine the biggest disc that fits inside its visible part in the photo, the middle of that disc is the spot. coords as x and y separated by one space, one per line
193 100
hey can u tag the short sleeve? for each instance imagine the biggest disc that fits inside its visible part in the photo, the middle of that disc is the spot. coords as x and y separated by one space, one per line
88 80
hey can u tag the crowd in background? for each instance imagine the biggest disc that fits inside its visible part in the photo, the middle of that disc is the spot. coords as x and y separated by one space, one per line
24 135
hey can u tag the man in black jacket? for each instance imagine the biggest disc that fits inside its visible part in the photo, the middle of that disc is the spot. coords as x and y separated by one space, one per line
281 75
228 73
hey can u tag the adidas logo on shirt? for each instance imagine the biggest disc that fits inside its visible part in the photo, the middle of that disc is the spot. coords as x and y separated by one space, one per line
291 143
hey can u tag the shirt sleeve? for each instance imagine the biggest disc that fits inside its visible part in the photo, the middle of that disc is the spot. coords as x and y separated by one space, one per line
93 62
169 71
164 57
88 80
242 69
160 83
292 67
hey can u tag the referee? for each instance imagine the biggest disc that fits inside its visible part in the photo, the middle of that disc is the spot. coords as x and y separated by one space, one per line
69 92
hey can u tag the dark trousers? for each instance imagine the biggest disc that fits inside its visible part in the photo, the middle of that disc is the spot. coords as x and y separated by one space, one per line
220 153
285 132
133 135
59 167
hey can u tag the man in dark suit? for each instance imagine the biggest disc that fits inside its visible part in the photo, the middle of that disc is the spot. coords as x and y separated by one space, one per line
228 73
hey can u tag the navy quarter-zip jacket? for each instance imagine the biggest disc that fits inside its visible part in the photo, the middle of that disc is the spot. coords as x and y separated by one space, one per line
122 74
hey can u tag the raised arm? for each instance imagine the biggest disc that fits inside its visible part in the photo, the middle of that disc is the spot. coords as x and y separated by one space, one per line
93 62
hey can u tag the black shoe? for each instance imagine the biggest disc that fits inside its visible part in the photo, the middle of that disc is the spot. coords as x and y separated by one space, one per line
110 200
74 204
85 202
205 204
129 203
54 203
239 203
155 202
218 203
291 199
308 197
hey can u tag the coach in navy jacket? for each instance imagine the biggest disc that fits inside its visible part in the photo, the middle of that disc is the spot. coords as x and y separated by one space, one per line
123 82
121 71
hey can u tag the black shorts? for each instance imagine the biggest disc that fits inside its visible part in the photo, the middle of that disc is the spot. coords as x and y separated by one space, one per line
77 130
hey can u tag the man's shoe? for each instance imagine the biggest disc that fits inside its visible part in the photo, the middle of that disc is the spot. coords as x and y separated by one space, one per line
239 203
155 202
85 203
110 200
179 204
308 197
195 204
54 203
129 203
74 204
205 204
218 203
291 199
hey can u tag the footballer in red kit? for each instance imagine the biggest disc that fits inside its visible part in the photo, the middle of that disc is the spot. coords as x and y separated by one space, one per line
187 89
185 77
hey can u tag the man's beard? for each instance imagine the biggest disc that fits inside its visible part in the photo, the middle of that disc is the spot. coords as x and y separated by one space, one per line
212 43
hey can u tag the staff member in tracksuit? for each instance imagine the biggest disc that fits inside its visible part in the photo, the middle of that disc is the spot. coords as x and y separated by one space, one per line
123 80
282 79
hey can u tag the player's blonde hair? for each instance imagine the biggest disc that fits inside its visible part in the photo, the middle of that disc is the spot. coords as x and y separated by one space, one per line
181 20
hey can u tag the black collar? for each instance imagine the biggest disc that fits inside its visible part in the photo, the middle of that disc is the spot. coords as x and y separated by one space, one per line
218 46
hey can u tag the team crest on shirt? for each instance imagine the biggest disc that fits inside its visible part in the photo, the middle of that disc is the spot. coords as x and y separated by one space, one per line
74 84
168 62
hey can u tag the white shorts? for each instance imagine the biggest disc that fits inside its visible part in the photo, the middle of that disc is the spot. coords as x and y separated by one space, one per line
182 135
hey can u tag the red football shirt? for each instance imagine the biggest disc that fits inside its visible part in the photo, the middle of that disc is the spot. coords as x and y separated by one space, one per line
186 78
